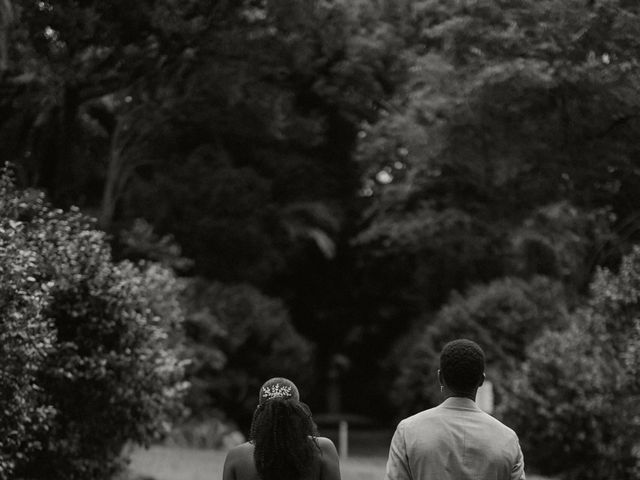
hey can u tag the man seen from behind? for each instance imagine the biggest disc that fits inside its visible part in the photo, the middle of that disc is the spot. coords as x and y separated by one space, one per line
456 440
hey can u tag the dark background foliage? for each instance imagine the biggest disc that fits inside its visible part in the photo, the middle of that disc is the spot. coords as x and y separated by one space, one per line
325 176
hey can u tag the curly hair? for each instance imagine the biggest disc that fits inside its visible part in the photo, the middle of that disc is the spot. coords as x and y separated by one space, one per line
462 365
284 438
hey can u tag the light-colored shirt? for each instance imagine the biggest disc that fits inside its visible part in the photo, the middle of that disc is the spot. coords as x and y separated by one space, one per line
454 441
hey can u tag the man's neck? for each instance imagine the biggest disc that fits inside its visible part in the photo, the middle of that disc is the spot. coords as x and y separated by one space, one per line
450 394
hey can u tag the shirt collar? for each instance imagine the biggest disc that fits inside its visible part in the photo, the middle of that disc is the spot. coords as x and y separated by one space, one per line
460 403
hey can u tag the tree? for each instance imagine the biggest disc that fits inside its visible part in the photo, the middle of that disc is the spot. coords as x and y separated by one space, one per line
6 18
504 317
508 111
87 365
253 104
76 72
259 186
325 152
576 400
238 338
508 107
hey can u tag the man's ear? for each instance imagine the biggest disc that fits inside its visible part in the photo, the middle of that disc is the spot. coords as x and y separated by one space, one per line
484 377
440 377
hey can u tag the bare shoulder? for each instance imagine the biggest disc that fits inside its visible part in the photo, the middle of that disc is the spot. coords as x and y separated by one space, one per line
329 460
327 447
240 452
324 442
236 460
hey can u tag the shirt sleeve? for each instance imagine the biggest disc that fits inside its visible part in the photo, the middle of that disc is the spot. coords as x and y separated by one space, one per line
517 471
397 464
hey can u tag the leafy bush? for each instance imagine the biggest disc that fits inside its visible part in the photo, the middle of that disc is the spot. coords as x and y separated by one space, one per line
503 316
141 242
247 333
26 338
576 403
85 361
564 242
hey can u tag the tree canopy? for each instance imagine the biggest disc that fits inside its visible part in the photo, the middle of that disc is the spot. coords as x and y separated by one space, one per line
346 166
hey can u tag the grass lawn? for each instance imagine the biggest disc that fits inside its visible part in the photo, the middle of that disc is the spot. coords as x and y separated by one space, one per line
173 463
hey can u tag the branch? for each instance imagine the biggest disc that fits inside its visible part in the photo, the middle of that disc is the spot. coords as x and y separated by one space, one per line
108 84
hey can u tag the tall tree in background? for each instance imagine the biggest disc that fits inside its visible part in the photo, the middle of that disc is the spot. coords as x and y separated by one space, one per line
6 19
510 107
62 57
509 150
228 124
357 159
264 174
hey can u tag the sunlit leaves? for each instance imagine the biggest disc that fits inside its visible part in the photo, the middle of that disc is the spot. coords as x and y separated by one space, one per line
87 361
506 108
576 400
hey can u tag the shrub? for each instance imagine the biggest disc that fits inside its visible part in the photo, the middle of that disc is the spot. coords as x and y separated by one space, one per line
503 316
85 364
564 242
26 338
576 403
251 336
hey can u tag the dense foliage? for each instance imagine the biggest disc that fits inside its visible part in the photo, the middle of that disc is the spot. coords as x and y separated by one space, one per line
86 364
504 317
27 338
508 150
577 404
237 337
509 107
227 124
345 165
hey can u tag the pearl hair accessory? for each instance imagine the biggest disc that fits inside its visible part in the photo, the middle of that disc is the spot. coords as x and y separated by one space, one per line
276 391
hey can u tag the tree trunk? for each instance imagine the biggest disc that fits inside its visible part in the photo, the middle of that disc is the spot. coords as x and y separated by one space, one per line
59 144
112 181
6 18
122 163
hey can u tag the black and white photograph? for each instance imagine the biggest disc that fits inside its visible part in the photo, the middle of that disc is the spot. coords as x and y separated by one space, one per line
319 240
